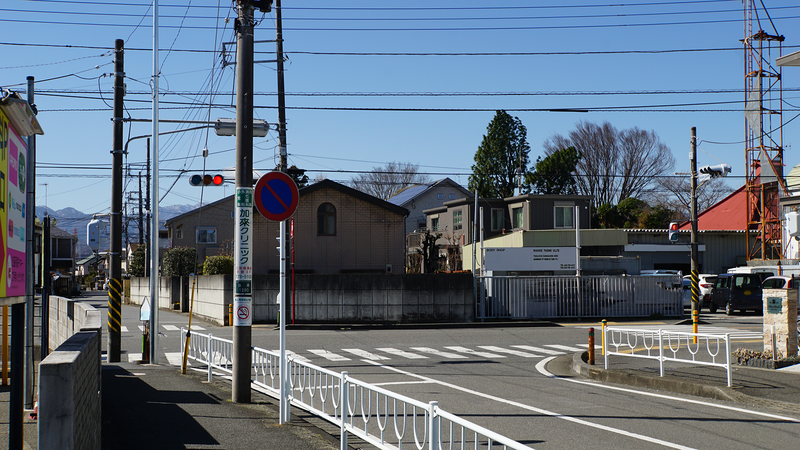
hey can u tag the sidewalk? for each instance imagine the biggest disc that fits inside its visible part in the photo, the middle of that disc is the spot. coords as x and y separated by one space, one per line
147 406
763 388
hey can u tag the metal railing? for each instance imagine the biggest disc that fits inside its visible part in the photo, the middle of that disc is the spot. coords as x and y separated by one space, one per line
544 297
378 416
675 346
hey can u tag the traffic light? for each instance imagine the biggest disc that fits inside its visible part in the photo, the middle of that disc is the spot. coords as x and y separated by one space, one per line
720 170
673 231
206 180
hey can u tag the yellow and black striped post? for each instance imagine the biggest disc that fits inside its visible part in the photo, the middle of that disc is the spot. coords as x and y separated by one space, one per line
114 320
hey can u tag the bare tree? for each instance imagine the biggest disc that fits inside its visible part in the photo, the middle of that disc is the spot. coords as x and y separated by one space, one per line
385 182
675 193
616 164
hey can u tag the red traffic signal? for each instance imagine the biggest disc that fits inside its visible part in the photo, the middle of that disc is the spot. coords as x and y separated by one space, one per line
673 232
206 180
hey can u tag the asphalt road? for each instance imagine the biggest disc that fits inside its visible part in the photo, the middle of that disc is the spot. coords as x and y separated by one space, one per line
513 380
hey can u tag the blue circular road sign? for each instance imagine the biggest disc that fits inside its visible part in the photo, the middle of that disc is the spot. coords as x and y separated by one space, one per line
276 196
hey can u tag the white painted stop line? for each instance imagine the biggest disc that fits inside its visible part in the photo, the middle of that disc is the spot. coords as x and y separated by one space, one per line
398 352
365 354
328 355
433 351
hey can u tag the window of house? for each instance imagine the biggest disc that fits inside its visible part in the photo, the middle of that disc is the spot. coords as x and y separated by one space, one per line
457 220
497 219
206 235
452 196
440 196
435 224
326 220
516 217
179 232
564 217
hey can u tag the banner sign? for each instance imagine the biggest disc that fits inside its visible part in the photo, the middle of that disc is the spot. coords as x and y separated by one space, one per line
12 210
243 257
529 259
242 311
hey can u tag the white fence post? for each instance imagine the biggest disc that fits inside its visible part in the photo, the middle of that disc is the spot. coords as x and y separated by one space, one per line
209 351
344 402
433 426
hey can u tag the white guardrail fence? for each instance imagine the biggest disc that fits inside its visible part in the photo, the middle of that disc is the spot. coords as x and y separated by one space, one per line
675 346
380 417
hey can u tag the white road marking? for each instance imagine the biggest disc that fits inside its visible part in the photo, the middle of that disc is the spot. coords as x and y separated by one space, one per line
170 327
174 358
566 348
141 328
365 354
195 327
538 349
328 355
294 356
540 366
433 351
475 352
133 357
509 351
124 329
404 354
538 410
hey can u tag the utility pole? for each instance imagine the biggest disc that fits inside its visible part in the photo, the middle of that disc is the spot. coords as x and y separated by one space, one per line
115 263
695 271
283 406
243 300
141 227
30 269
147 219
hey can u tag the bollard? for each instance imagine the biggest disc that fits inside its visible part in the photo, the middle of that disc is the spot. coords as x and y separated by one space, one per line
695 320
591 346
603 339
230 315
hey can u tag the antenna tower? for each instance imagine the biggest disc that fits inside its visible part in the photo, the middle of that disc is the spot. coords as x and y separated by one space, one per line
763 133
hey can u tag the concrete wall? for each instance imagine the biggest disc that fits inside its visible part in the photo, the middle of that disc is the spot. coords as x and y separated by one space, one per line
68 317
341 298
169 292
69 394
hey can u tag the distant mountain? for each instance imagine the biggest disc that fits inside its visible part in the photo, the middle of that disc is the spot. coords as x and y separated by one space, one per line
74 222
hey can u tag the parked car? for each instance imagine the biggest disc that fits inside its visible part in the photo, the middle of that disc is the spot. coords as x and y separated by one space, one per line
781 282
737 292
705 282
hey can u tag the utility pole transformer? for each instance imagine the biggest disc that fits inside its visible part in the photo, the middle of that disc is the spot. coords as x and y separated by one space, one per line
115 263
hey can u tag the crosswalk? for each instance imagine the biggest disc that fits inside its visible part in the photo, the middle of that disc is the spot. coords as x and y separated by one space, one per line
447 352
166 327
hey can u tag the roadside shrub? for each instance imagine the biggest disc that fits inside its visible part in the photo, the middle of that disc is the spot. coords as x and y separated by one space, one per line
218 265
178 262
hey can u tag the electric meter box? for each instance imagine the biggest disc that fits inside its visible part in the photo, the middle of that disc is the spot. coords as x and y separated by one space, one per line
793 224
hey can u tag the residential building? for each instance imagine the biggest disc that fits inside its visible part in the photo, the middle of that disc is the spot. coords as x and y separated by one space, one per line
337 229
417 199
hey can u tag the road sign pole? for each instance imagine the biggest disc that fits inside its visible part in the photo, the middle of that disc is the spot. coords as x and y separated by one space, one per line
284 403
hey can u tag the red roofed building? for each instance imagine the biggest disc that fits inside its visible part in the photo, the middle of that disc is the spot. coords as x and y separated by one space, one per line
726 215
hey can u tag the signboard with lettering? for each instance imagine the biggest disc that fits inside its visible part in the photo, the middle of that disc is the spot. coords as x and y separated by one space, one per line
12 210
529 259
774 305
243 263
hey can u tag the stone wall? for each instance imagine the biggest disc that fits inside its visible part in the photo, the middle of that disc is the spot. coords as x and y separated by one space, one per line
780 321
342 298
69 394
68 317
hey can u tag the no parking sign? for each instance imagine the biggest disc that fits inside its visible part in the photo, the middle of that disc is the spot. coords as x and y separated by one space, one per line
276 196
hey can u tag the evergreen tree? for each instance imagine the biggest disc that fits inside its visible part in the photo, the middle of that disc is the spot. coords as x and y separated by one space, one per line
553 175
501 159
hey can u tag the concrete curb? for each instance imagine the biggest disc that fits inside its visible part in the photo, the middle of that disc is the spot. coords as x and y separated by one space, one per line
630 378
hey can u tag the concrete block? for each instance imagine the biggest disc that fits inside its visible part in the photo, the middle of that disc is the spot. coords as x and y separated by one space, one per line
394 313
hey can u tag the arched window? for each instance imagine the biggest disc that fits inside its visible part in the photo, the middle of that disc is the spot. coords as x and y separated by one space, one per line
326 220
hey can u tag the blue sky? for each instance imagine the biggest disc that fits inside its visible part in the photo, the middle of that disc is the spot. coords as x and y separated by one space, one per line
370 82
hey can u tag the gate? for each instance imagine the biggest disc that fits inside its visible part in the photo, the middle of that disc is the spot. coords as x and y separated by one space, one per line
549 297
